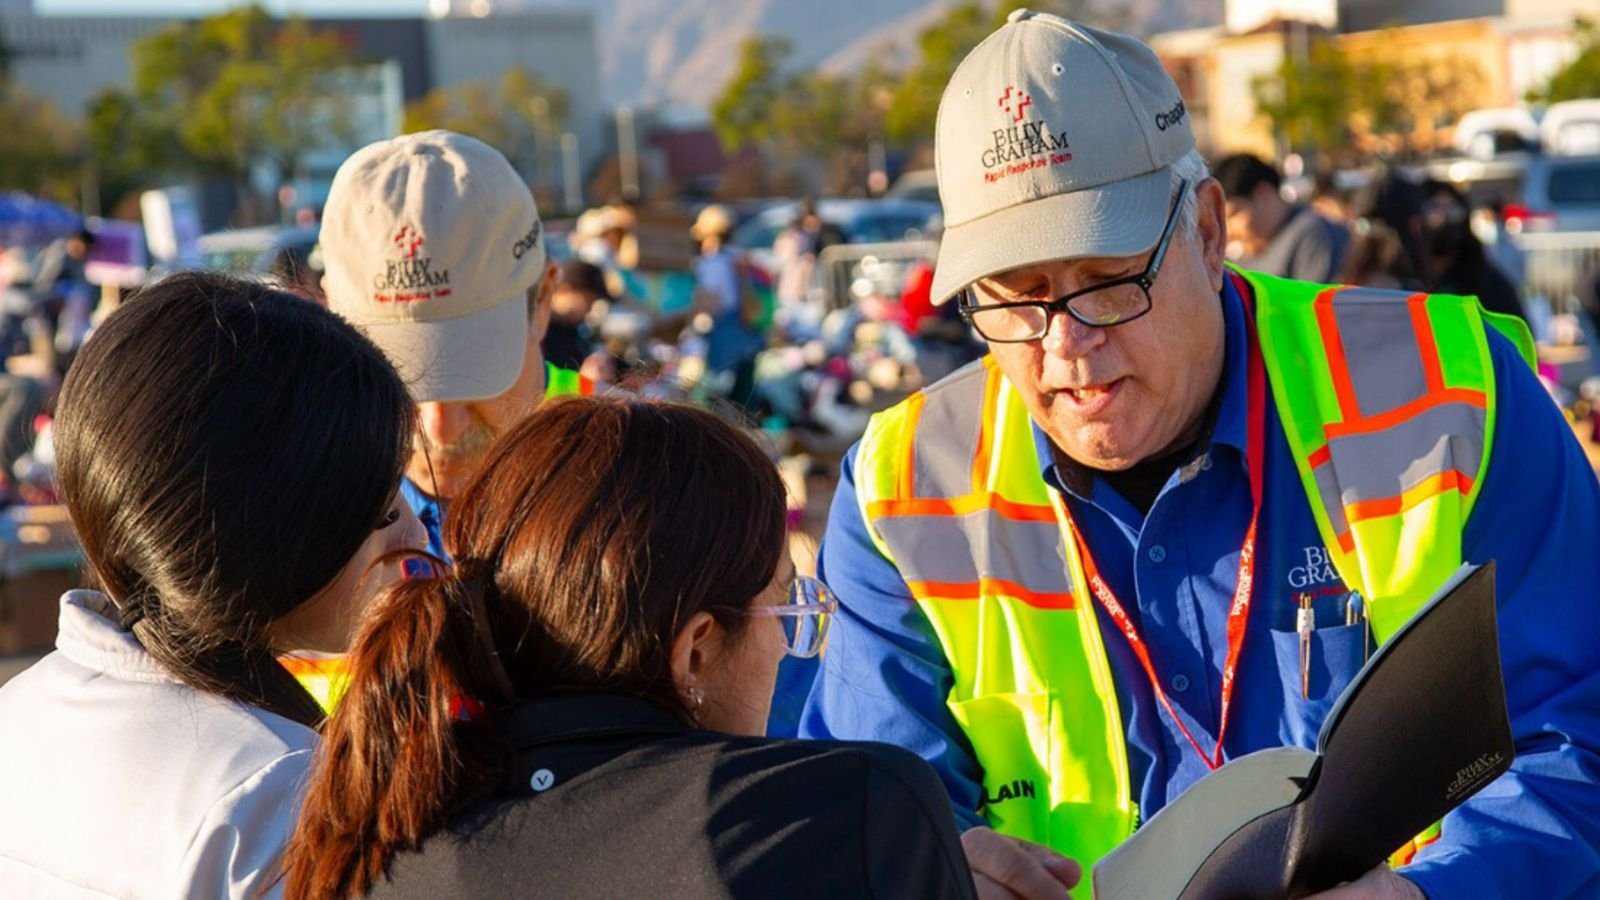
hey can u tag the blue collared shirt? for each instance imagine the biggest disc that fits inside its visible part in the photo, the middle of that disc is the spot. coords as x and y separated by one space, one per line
885 677
430 512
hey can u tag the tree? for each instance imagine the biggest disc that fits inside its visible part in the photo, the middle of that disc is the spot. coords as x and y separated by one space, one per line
218 95
1580 79
1310 99
742 114
520 115
40 153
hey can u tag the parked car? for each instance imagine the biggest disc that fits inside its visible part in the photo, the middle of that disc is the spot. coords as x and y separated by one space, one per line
1538 192
918 184
857 221
1571 127
252 251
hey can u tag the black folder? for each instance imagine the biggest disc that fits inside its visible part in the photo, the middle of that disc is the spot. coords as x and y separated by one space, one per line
1421 728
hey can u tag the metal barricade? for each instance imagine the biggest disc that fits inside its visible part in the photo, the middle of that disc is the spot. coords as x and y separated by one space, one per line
849 273
1555 265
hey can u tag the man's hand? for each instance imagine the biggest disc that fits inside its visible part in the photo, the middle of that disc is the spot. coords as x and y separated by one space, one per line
1380 884
1008 868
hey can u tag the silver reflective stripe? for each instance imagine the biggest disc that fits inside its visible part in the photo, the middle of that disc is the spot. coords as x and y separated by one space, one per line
1328 489
947 434
1387 463
1380 346
984 544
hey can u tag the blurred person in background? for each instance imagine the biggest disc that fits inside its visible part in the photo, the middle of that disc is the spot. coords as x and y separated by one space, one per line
1377 259
795 249
61 283
230 457
1395 200
1290 240
578 709
1457 263
570 340
725 294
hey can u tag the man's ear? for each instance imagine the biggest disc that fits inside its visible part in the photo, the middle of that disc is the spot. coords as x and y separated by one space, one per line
1211 228
541 304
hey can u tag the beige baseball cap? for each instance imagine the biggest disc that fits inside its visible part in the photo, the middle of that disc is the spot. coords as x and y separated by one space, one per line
431 242
1054 141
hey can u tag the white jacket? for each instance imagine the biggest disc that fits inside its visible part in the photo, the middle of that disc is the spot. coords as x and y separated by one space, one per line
117 780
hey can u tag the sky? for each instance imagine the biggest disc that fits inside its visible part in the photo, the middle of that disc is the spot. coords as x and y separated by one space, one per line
187 7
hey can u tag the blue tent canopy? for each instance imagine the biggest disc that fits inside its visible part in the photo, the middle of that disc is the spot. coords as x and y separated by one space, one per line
29 220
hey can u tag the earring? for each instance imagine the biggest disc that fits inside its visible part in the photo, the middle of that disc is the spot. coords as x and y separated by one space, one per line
696 700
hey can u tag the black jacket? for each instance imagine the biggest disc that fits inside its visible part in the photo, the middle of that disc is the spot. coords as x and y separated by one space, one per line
616 797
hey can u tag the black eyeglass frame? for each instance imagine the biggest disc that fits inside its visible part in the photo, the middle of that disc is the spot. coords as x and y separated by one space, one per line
968 304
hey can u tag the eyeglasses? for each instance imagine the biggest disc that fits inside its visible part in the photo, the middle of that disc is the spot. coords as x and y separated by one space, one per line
1101 306
805 616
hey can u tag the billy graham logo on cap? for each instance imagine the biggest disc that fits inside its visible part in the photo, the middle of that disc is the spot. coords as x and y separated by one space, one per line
411 277
1022 145
1054 140
433 246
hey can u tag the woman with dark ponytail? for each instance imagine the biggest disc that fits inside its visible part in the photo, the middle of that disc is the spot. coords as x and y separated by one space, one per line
229 456
577 709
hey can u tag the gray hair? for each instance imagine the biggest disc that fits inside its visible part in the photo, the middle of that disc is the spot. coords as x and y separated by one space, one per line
1191 167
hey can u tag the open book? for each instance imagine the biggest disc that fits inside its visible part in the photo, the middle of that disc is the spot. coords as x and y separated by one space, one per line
1422 728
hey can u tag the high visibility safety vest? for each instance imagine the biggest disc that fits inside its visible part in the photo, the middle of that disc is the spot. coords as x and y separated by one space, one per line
1387 401
326 677
559 382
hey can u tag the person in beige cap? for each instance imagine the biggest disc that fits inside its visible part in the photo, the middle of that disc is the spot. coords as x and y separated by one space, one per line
1073 575
433 246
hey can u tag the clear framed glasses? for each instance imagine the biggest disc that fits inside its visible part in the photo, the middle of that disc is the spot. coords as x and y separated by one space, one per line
1100 306
805 617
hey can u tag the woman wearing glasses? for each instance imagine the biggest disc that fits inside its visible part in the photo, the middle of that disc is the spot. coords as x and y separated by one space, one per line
577 709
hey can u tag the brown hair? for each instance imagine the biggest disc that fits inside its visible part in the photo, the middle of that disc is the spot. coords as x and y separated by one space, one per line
595 529
225 449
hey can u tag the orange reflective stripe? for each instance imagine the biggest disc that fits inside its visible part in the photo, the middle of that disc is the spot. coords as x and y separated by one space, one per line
904 478
961 506
1323 456
939 590
299 665
1450 480
1338 371
1418 306
1399 414
988 413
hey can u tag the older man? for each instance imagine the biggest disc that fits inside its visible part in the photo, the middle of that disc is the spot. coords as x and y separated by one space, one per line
434 248
1070 573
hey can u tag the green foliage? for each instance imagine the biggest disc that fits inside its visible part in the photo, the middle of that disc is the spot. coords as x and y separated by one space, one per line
1310 100
509 115
1314 101
40 152
216 95
743 113
819 113
1580 79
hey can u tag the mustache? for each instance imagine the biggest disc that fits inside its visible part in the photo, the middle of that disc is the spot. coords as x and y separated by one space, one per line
471 443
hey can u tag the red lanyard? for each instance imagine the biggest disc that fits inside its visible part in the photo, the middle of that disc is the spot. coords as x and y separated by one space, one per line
1239 612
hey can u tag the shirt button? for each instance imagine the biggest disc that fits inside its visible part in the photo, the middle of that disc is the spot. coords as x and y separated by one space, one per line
1157 553
1180 683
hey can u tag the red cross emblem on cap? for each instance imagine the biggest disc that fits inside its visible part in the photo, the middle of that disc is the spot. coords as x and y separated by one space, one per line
1014 102
408 239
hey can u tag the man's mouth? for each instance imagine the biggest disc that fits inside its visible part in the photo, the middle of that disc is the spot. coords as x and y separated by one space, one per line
1091 398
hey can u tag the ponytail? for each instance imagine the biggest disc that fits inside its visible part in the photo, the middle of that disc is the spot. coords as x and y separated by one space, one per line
397 759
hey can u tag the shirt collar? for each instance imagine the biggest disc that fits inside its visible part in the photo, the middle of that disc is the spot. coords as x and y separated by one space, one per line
1231 416
90 635
565 716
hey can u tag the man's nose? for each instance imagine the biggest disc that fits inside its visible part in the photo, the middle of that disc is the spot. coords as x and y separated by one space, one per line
1068 338
443 423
